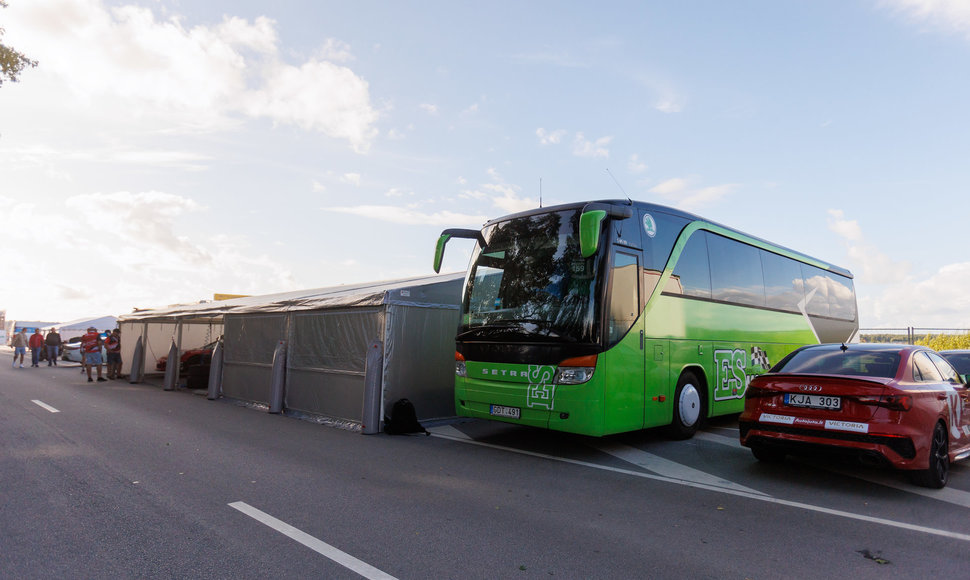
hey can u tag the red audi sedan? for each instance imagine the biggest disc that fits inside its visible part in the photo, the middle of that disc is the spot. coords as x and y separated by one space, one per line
901 406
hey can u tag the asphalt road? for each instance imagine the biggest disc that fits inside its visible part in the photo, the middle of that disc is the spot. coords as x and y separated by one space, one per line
113 480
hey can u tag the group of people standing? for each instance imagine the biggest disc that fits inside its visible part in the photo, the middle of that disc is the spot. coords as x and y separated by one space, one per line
91 344
38 344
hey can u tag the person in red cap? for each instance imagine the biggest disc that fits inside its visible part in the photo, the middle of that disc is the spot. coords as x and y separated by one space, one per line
91 349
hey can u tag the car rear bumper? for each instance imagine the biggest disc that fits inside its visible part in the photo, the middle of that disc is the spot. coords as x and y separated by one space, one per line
896 450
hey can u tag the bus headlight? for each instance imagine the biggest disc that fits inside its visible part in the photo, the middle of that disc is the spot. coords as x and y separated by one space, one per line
460 365
575 371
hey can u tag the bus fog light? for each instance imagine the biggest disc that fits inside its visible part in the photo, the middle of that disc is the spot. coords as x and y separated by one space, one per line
573 375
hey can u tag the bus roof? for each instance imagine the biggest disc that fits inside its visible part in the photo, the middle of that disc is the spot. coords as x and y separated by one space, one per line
668 210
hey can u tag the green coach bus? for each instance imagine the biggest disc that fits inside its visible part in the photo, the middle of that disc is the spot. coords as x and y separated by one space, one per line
609 316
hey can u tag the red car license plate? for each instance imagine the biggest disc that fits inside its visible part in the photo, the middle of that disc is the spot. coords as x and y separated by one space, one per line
813 401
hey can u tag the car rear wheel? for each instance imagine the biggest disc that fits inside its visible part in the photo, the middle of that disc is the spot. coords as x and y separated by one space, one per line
938 472
688 407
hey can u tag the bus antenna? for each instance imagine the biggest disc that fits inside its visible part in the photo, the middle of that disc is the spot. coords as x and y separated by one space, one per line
625 194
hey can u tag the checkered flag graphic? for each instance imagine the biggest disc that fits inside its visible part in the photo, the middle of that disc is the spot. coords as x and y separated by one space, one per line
760 358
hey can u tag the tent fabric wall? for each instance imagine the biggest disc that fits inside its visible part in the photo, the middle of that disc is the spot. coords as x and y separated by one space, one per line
326 360
328 333
248 364
419 359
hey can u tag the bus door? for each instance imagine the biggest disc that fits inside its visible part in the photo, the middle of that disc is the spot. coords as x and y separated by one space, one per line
623 361
658 400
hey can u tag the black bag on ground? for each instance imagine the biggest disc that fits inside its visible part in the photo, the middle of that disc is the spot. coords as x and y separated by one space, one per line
403 419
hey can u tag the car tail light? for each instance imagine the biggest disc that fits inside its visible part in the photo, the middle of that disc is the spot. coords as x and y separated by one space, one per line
576 371
460 365
892 402
759 393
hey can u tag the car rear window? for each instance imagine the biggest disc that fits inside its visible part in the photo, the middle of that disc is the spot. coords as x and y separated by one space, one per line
850 363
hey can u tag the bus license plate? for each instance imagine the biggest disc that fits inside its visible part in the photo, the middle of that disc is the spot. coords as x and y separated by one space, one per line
503 411
813 401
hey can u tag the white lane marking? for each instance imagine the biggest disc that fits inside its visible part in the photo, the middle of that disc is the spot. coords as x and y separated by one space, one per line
44 405
887 479
323 548
721 439
891 479
668 468
757 497
448 431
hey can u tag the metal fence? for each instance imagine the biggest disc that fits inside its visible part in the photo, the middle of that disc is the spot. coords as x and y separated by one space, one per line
908 335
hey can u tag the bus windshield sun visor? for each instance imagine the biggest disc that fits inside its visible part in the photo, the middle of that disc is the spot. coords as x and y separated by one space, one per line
591 224
439 252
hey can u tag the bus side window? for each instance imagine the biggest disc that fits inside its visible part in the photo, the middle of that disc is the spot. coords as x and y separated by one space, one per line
692 274
624 296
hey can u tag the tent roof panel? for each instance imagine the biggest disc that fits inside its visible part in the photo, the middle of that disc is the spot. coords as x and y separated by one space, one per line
351 295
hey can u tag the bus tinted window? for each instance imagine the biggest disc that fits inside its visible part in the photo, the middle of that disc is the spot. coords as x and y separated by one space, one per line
834 294
841 297
692 274
736 275
783 282
660 234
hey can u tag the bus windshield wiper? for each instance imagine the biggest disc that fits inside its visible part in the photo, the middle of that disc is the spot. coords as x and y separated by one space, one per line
513 327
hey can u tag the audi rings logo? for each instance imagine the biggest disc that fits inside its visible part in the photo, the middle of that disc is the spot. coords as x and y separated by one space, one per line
809 388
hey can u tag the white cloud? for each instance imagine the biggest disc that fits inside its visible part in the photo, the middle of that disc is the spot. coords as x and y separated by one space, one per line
669 105
892 295
597 148
671 187
949 15
682 193
429 108
634 165
939 300
126 67
866 260
95 250
848 229
504 196
351 179
335 50
550 137
409 216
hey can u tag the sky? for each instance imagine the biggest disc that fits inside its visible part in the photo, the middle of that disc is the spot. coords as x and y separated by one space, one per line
163 151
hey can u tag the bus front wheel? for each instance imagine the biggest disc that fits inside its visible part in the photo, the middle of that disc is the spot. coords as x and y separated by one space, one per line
688 407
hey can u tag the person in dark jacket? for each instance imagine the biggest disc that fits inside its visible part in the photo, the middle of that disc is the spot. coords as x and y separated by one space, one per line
53 342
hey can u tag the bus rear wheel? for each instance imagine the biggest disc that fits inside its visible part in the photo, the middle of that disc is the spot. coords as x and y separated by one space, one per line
688 407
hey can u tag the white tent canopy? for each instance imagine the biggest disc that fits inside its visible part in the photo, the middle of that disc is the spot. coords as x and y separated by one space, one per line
79 327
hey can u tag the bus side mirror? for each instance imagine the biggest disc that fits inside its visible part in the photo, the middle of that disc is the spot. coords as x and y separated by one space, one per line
439 250
590 225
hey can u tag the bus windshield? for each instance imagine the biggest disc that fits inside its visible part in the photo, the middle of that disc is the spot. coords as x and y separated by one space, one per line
530 282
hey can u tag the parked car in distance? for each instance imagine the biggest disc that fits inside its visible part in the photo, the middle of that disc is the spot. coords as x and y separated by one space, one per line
71 351
189 358
960 359
889 404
